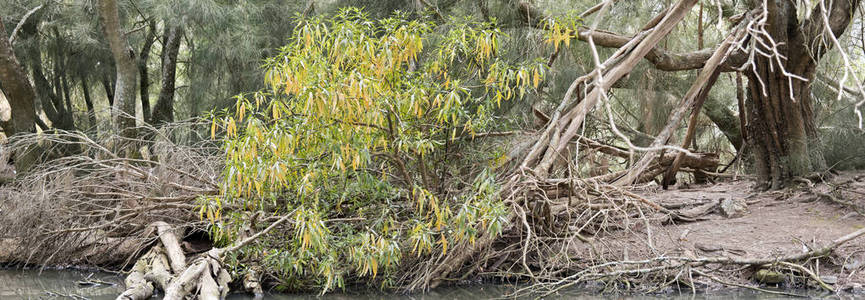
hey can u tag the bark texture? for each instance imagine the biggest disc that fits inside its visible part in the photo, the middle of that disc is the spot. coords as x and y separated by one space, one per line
144 56
17 88
163 112
123 110
781 123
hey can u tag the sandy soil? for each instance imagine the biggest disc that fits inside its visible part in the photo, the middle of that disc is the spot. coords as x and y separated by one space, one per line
773 224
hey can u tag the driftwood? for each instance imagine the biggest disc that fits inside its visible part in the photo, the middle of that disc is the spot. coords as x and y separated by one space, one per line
164 267
172 246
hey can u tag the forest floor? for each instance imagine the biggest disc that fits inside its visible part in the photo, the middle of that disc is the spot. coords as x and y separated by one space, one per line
767 224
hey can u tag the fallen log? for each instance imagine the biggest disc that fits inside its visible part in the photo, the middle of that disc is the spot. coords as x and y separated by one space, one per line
164 267
137 286
172 246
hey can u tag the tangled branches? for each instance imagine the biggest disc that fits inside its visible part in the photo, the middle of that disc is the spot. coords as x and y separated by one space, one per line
93 206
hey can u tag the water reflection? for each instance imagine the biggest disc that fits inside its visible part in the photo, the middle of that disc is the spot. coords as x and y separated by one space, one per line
477 292
72 284
68 284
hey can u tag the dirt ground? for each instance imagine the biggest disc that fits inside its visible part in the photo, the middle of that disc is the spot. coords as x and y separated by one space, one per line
767 224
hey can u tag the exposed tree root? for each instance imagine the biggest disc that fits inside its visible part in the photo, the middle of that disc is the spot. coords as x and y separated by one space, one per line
709 264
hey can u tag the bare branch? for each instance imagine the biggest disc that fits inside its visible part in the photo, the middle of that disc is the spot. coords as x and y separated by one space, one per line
21 23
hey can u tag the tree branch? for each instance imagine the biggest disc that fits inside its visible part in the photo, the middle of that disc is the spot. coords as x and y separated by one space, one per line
660 58
21 23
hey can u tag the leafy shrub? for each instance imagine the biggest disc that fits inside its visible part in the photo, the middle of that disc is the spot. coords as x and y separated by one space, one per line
350 138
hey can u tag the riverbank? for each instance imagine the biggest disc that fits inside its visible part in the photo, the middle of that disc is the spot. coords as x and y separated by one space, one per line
731 222
698 238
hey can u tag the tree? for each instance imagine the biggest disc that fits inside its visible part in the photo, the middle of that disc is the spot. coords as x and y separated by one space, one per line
163 112
123 111
780 59
20 95
348 105
144 86
17 88
781 125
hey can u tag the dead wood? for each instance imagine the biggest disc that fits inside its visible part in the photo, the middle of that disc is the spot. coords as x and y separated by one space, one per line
566 127
137 287
657 56
172 246
186 281
660 263
205 275
670 176
703 81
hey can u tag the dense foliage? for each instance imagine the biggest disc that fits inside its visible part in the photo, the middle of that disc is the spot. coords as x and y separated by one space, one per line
357 113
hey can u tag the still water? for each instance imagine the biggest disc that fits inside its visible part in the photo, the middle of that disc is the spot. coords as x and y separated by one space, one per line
75 284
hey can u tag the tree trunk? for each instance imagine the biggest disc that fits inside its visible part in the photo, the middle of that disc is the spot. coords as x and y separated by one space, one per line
69 116
61 66
20 95
45 94
783 139
724 119
50 95
781 124
17 87
88 101
108 87
123 110
142 70
163 112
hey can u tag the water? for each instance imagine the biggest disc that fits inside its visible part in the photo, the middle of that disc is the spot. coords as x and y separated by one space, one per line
33 284
73 284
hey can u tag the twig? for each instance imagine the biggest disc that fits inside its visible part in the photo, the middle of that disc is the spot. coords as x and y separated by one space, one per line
252 238
21 23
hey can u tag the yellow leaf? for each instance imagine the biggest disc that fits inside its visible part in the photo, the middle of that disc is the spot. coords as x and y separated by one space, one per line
240 111
213 129
444 243
201 212
537 78
567 38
